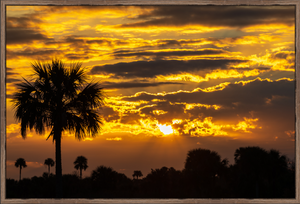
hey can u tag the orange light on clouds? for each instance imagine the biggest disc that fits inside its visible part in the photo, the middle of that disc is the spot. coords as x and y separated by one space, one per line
216 74
159 112
114 139
247 124
148 95
87 139
270 28
13 128
28 163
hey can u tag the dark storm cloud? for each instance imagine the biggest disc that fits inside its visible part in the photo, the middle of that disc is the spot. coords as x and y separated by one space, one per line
21 30
80 42
21 22
62 9
10 71
124 85
172 111
10 76
168 43
282 55
232 16
249 95
179 43
127 53
108 42
12 80
33 53
132 118
24 36
161 67
109 114
47 54
76 56
72 39
83 51
266 99
288 56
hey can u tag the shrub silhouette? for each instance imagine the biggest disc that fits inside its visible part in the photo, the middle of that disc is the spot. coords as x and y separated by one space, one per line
137 174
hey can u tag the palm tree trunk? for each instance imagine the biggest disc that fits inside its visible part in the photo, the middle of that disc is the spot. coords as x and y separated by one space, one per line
20 173
58 168
49 169
80 173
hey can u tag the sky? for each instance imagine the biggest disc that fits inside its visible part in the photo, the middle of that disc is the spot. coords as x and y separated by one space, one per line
175 78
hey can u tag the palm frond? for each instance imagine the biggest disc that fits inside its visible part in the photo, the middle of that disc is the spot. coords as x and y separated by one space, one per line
20 162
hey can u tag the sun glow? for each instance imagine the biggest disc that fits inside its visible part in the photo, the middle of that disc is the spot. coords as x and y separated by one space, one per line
166 129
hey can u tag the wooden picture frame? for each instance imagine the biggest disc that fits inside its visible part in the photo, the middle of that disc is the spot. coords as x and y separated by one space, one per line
5 3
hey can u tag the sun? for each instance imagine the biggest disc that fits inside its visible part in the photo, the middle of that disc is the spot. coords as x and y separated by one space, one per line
166 129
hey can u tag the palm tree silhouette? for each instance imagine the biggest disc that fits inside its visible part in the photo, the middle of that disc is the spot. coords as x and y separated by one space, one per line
59 99
49 162
137 174
20 163
81 163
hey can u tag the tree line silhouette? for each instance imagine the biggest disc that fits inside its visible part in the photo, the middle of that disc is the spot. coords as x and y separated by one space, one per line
256 173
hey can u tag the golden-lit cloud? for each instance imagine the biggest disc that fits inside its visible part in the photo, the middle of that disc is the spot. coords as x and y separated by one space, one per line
248 123
13 128
120 28
206 127
189 106
216 74
28 163
114 139
159 112
283 61
87 139
275 28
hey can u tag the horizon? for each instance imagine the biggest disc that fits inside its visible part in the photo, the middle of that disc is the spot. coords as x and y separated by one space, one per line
176 78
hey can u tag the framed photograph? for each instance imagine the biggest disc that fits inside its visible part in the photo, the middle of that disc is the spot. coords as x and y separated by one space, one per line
149 101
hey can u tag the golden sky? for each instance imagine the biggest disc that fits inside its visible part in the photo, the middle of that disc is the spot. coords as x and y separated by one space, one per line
175 78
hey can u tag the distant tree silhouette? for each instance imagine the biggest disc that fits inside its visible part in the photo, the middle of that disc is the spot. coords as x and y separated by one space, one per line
163 182
106 182
20 163
260 173
137 174
81 163
57 99
202 170
49 162
104 177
